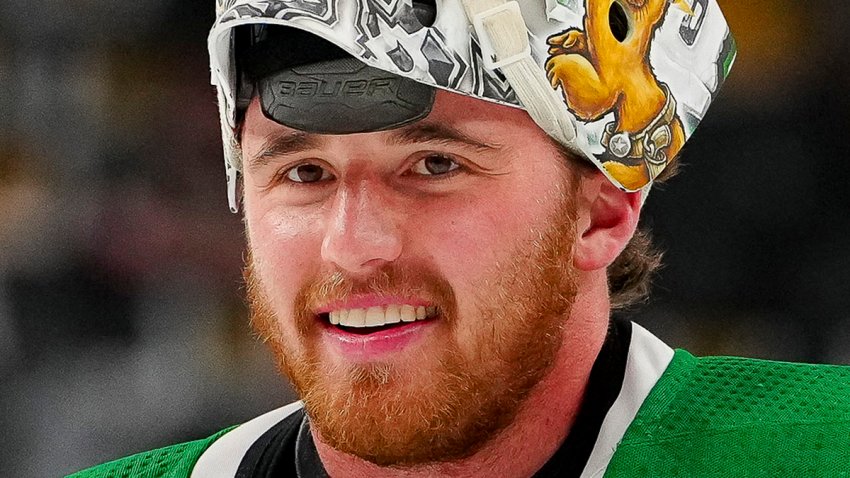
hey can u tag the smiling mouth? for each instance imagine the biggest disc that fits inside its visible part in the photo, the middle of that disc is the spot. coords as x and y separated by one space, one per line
370 320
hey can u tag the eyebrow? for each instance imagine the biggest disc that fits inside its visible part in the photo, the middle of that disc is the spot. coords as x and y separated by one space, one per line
424 132
292 142
277 145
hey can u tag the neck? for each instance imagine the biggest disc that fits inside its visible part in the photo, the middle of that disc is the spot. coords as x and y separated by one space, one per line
542 423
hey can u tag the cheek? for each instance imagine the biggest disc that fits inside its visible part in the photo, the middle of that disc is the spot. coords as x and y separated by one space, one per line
285 246
460 235
476 237
470 237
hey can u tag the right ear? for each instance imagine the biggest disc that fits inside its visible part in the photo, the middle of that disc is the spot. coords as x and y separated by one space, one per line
606 222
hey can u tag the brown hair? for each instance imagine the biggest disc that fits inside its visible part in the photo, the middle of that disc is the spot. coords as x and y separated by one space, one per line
630 275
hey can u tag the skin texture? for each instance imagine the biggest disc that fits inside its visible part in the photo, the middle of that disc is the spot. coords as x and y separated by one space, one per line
511 247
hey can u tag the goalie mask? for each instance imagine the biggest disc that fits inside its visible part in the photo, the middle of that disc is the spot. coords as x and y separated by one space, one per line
621 83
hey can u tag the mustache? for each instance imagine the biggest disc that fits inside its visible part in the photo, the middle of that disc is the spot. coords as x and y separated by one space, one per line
408 280
390 280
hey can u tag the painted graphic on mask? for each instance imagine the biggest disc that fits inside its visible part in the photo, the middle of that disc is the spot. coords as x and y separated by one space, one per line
605 68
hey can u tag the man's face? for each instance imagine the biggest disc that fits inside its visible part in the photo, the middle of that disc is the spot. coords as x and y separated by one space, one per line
456 230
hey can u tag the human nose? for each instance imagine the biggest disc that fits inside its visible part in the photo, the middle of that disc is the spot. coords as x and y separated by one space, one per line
361 233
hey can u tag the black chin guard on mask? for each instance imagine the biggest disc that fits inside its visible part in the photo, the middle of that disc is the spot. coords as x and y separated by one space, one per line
341 96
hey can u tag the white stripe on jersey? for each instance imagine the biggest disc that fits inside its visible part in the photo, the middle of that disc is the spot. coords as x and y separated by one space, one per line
647 360
222 458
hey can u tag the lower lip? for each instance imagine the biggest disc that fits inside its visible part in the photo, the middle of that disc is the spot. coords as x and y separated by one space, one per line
377 345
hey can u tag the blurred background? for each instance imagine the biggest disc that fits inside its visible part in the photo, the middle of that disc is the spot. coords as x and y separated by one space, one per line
122 325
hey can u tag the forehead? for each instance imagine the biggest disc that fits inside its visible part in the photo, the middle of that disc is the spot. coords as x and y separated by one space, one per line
454 107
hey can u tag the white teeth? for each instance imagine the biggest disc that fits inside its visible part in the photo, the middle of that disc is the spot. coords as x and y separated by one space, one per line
408 313
378 316
393 314
356 318
374 316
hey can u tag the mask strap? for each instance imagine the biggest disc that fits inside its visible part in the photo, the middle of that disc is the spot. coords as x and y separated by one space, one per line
503 37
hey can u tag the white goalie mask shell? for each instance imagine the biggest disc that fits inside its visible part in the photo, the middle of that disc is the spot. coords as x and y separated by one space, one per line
622 83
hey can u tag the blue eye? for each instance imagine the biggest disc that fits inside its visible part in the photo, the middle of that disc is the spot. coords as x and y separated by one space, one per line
307 173
435 165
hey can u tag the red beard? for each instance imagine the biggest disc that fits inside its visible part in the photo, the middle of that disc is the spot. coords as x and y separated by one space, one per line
463 394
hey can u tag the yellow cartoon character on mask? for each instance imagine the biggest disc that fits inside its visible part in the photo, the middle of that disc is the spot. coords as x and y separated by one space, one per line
604 69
